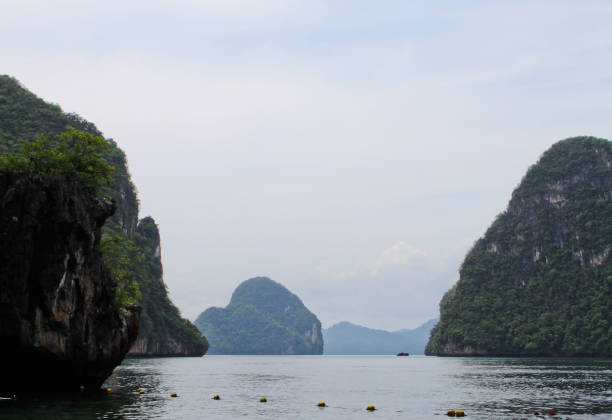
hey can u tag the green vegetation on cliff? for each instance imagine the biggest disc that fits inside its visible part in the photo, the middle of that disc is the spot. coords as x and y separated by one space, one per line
72 153
34 133
162 329
263 317
540 280
121 256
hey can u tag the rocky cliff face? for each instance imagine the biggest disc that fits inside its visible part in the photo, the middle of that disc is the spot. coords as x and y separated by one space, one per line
59 327
162 330
168 346
263 317
539 281
123 192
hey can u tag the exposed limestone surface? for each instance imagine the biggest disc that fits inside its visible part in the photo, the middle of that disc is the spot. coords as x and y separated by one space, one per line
59 327
144 347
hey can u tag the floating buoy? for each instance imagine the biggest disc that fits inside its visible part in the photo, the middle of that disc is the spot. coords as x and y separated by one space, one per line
459 413
108 390
216 397
370 408
450 413
263 399
174 395
141 391
82 387
322 404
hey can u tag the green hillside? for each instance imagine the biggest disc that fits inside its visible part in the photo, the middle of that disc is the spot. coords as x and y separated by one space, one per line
540 280
263 317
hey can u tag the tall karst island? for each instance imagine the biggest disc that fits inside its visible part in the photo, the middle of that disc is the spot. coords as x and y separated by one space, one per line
80 275
540 280
263 317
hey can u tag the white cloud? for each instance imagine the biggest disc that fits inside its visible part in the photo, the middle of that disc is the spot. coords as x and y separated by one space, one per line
398 254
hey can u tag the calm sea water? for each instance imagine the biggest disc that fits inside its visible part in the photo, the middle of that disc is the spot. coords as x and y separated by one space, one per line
416 387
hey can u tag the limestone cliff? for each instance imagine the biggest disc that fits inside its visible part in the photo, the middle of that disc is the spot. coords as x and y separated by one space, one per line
25 116
59 326
540 280
162 330
263 317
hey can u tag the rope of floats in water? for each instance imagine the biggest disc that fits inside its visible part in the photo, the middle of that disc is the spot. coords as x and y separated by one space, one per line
452 413
449 413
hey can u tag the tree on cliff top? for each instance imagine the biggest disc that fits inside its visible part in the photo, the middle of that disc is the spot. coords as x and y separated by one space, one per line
72 153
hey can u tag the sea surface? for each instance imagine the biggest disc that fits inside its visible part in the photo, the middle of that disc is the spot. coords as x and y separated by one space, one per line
415 387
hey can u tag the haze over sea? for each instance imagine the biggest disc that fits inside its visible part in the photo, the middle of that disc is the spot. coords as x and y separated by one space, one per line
416 387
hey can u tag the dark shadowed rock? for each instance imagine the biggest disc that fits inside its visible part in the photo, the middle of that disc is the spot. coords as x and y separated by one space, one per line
59 326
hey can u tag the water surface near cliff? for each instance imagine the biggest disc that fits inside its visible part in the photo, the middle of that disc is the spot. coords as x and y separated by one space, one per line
400 387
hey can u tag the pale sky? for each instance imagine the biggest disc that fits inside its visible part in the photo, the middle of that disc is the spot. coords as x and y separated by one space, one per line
350 150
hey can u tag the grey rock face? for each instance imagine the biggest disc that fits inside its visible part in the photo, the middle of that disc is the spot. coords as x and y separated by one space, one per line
59 328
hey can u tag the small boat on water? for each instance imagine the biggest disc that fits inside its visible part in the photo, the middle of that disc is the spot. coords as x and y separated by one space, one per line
403 354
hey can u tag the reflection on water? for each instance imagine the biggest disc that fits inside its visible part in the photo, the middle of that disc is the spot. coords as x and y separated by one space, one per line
123 401
572 386
417 387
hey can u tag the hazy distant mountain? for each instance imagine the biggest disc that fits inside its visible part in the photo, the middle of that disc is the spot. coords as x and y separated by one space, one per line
347 338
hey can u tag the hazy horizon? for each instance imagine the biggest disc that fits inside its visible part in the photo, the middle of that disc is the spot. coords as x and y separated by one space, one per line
351 151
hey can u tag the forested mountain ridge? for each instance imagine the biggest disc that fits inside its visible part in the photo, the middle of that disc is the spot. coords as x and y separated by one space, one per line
24 116
263 317
540 280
